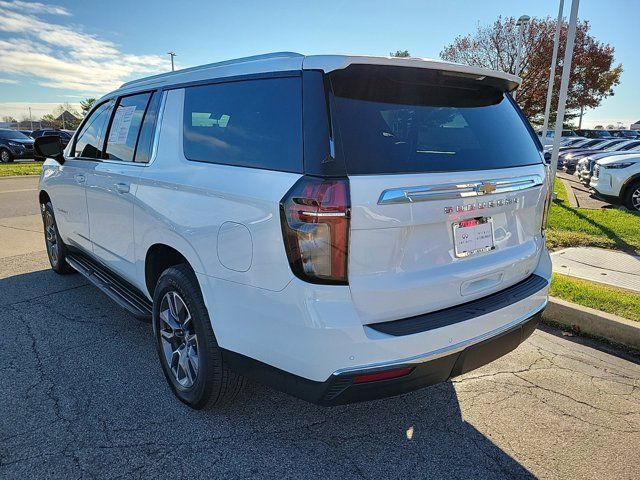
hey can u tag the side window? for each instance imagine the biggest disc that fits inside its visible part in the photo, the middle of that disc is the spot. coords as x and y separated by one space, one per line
252 123
91 137
125 127
145 141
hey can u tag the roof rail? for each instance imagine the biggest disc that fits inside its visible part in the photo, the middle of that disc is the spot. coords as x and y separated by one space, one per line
252 58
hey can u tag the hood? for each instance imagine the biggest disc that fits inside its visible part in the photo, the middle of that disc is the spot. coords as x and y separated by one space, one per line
23 141
632 157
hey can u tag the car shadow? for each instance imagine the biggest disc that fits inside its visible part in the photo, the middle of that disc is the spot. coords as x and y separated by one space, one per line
621 243
85 385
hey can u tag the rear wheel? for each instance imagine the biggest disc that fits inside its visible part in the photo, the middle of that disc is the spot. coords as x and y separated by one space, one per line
189 353
5 156
56 249
632 196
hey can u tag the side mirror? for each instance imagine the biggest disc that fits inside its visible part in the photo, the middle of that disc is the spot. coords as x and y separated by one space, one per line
547 157
49 147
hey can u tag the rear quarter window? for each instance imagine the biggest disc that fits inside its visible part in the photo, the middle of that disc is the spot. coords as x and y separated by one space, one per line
249 123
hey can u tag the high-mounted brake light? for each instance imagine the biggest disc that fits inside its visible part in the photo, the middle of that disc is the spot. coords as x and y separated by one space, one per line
315 225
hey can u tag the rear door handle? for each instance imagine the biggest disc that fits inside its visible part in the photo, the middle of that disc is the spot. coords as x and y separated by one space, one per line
122 187
79 177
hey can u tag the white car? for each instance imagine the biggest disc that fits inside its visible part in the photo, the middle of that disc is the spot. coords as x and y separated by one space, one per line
565 135
340 227
617 179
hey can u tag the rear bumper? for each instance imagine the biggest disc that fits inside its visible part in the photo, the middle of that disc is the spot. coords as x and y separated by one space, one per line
315 332
341 388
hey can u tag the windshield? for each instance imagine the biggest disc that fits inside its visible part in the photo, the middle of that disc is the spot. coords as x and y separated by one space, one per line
412 120
12 135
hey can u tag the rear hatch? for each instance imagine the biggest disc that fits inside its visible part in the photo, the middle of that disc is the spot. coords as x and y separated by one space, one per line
447 187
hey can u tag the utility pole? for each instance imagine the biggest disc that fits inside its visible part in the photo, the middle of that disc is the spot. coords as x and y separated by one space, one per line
521 24
580 121
30 119
552 72
564 86
172 54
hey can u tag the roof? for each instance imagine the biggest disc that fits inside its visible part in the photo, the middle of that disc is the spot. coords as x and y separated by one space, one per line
290 61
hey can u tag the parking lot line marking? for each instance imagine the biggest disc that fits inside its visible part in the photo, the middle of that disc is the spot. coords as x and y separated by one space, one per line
21 190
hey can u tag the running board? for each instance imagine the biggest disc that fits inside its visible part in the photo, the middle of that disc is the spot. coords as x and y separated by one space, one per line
125 295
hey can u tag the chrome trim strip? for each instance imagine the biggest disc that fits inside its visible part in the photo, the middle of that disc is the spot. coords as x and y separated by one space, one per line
450 349
458 190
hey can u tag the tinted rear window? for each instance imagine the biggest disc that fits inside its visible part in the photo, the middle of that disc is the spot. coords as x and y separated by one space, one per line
252 123
405 120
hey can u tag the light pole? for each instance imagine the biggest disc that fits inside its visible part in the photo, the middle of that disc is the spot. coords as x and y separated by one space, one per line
30 119
172 54
521 24
552 72
564 86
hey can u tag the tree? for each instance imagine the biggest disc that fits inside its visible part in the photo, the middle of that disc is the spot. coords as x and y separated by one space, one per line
9 119
599 127
86 105
593 74
400 53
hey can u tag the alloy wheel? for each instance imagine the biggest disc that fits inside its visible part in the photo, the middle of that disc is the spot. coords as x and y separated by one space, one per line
50 237
179 339
635 198
5 157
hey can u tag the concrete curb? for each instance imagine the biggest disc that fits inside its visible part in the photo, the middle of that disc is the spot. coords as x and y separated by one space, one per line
593 322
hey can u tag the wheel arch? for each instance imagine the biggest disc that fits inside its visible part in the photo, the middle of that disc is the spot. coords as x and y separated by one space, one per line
158 258
43 197
628 182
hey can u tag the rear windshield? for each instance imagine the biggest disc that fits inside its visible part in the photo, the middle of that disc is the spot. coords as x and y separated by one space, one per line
406 120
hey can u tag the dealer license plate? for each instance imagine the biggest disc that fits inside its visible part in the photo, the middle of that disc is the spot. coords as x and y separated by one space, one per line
473 236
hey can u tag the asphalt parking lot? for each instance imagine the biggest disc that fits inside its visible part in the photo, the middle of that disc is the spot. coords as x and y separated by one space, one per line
82 396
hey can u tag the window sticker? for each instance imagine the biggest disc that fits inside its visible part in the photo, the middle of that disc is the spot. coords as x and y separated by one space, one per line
121 124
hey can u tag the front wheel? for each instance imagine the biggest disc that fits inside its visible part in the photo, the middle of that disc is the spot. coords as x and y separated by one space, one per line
5 156
632 197
189 353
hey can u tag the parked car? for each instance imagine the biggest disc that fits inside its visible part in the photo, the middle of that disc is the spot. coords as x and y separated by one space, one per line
340 227
64 136
570 158
14 144
26 132
629 134
594 133
584 168
617 179
548 140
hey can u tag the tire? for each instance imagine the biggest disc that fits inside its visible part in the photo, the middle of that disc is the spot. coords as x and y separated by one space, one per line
189 354
5 156
631 198
56 249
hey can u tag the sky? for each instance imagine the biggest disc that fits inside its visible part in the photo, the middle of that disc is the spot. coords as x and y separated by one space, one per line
70 50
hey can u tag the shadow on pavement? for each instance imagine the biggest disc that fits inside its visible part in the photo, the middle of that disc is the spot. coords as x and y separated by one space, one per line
82 394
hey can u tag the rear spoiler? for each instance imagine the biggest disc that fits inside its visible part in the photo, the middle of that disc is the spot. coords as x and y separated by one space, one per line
328 63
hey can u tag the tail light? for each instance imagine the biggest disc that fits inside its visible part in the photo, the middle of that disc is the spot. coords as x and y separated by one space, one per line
315 225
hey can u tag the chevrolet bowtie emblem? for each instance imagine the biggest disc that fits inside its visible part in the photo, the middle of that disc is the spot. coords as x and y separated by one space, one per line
486 188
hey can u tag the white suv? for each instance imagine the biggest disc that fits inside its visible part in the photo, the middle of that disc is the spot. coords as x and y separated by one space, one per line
342 228
617 178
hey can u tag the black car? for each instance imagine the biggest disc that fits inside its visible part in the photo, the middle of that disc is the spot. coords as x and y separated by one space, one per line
15 144
628 134
65 137
594 133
